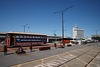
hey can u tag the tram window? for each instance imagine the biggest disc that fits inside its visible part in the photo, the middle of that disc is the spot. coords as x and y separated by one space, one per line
21 36
37 36
13 36
29 36
17 35
44 36
25 36
8 35
33 36
41 36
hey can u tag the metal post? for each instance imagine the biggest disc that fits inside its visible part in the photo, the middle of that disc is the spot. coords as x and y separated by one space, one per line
24 27
55 42
5 49
31 47
62 29
62 12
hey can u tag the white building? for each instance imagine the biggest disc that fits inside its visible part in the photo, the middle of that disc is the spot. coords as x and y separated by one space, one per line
78 33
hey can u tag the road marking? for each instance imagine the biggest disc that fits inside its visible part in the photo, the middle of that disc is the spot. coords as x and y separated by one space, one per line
81 60
42 62
92 59
89 56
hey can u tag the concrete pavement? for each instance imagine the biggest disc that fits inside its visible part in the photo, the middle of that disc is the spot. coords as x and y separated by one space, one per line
75 56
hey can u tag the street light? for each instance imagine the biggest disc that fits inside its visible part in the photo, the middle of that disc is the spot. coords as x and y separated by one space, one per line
25 26
62 12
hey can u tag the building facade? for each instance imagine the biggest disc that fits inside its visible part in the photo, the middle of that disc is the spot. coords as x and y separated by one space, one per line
78 33
96 37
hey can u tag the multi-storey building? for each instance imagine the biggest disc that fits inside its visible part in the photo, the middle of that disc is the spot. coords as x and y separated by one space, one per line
78 33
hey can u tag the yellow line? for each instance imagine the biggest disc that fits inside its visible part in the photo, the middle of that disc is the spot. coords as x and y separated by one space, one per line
19 65
81 60
95 50
88 55
42 62
26 63
59 57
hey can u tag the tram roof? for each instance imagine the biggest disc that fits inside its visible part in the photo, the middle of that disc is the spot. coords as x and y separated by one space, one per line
25 33
2 32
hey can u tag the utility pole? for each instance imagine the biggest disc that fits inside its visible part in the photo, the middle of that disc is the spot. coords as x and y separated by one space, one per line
24 27
62 29
62 12
96 32
54 35
55 38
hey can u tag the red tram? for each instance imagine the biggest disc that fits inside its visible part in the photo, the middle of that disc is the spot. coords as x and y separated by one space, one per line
25 39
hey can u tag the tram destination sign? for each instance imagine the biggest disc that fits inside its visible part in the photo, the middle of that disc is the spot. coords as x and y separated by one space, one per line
30 40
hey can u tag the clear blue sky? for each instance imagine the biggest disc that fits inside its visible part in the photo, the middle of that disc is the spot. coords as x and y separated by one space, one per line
38 14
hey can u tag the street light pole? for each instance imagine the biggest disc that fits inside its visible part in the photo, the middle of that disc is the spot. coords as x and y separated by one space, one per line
62 29
24 27
62 12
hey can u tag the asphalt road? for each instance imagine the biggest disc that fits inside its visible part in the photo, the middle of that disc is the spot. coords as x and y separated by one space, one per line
14 59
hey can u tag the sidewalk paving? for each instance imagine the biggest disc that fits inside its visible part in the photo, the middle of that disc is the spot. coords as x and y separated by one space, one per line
74 56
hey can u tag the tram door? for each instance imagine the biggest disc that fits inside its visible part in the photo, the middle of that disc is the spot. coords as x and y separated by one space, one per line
12 40
7 41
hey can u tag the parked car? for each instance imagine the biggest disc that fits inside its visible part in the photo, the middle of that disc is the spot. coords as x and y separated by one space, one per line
88 41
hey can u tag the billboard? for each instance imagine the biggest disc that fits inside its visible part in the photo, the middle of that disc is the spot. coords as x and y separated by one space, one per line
28 41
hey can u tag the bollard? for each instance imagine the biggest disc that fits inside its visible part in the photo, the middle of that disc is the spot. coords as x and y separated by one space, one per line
55 45
63 43
5 49
31 47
